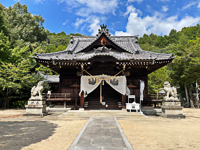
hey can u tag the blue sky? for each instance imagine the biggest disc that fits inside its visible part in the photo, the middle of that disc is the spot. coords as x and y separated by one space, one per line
122 17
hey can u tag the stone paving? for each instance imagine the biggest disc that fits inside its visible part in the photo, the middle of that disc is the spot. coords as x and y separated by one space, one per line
101 133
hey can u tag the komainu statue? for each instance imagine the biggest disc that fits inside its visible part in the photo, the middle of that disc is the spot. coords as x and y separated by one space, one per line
36 91
170 91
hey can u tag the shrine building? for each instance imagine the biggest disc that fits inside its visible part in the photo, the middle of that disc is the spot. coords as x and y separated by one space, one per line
99 71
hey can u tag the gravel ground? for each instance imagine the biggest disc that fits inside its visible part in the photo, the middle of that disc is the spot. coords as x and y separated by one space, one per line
157 133
57 132
36 133
15 135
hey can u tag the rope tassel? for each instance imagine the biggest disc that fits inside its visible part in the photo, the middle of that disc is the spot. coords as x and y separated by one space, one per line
103 82
96 81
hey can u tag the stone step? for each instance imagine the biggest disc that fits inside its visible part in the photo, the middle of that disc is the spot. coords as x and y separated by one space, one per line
88 113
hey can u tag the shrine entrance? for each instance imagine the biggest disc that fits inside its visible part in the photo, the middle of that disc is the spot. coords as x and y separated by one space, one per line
99 59
111 99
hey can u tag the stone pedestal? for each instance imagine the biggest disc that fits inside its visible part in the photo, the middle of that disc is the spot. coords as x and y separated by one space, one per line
172 109
36 107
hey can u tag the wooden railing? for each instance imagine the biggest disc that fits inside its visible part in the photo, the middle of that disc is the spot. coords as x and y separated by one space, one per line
58 97
156 97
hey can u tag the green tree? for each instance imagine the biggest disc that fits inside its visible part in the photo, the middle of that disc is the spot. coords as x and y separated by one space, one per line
22 25
5 47
3 27
13 77
185 67
157 78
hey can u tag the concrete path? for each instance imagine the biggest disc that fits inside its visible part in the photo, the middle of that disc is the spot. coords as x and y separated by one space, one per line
101 133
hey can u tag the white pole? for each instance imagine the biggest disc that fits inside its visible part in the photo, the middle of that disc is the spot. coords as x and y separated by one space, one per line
140 98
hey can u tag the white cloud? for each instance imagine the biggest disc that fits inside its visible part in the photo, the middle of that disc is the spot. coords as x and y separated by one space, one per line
165 8
81 21
87 7
121 33
198 5
64 23
139 1
189 5
131 9
94 27
91 21
84 12
155 24
40 1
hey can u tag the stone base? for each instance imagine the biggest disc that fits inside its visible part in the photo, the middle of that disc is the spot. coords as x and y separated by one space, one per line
151 110
36 108
172 116
81 109
172 109
171 103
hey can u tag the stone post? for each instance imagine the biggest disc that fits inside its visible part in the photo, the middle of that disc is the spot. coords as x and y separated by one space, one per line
37 103
171 105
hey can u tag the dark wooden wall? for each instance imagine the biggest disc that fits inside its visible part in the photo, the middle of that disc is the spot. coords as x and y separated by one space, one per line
68 77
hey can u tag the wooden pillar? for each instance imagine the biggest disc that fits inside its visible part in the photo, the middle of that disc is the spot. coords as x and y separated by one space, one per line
82 99
124 101
76 99
60 85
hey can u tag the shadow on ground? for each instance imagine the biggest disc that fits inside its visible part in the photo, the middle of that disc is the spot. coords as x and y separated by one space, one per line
15 135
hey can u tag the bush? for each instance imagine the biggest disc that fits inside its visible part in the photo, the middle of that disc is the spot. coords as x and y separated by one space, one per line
19 104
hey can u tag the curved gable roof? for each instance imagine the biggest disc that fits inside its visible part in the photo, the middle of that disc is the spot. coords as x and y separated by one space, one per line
128 45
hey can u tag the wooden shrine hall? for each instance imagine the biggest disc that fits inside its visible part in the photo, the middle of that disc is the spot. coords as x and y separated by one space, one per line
104 63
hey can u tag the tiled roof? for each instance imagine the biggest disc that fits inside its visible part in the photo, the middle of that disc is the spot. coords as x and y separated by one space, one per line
119 56
129 44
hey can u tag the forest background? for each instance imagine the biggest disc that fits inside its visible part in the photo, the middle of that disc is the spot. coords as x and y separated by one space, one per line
22 34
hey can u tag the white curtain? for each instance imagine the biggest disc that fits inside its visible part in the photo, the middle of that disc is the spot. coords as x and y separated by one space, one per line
141 90
87 86
118 83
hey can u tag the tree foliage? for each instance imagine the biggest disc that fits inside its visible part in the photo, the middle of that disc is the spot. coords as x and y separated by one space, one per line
21 35
157 78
